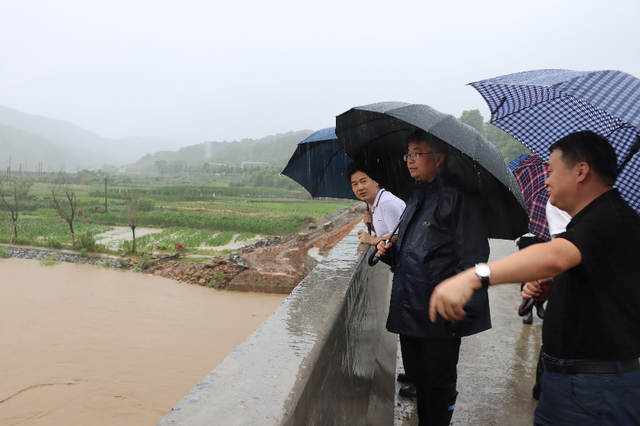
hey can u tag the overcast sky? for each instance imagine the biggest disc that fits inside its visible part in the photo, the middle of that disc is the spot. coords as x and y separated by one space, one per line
194 71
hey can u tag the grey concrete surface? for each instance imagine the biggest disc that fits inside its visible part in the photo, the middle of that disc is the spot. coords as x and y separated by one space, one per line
323 358
496 371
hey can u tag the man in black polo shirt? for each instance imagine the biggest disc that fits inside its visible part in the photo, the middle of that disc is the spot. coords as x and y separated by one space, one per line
592 372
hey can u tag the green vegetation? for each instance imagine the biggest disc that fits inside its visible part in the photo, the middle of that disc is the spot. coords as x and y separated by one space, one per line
204 217
85 241
216 277
146 262
48 261
508 146
123 263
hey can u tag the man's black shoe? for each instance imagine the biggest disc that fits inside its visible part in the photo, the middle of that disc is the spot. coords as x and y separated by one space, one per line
404 378
408 391
528 319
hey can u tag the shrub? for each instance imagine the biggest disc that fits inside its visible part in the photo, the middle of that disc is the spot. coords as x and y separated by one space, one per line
123 263
127 246
48 261
145 262
4 252
214 280
146 204
22 240
83 253
85 240
52 243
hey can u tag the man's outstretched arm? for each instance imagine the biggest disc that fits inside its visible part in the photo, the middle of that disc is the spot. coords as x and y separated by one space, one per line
537 261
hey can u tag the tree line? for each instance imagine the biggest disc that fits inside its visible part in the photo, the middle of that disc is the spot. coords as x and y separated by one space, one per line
508 146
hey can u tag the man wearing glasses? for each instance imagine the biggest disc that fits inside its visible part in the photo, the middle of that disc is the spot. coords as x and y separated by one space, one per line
442 233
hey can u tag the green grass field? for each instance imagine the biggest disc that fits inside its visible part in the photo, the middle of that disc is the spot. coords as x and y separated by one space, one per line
195 214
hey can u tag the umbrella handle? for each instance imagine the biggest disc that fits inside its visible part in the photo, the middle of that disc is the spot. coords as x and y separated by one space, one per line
373 260
526 306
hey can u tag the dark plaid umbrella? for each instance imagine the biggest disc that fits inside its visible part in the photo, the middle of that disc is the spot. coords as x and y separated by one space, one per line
376 136
319 164
516 161
540 107
531 175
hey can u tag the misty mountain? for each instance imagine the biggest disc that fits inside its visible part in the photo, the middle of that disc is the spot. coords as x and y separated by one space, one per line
274 150
88 149
22 150
28 140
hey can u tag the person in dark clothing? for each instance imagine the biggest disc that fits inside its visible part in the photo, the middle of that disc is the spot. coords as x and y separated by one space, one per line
591 331
441 233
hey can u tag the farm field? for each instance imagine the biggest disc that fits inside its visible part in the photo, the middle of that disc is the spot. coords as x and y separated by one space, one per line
202 216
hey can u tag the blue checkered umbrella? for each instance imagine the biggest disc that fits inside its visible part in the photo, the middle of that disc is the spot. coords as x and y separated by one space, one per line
319 164
540 107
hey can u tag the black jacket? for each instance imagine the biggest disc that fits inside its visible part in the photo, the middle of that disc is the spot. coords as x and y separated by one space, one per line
441 234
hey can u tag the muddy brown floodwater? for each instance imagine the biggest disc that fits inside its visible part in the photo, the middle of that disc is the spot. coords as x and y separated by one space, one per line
81 345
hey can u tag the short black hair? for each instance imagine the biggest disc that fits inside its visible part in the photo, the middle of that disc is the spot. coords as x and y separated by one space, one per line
354 168
435 143
591 148
426 137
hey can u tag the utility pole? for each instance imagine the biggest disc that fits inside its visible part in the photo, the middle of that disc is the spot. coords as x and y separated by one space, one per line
105 194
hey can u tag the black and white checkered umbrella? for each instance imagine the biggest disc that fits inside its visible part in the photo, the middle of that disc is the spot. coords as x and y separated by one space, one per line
539 107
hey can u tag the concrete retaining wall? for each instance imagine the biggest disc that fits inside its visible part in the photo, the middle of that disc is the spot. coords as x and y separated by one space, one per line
323 358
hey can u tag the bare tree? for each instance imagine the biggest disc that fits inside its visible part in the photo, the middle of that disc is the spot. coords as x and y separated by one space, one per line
19 190
65 202
13 209
132 215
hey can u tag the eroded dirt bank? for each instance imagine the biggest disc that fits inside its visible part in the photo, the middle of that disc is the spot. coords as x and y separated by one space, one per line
275 267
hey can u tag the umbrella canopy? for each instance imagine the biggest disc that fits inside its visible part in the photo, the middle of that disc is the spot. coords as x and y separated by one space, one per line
319 164
539 107
531 175
376 136
516 161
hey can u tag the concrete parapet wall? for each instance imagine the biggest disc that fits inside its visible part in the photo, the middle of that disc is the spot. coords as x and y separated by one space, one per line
323 358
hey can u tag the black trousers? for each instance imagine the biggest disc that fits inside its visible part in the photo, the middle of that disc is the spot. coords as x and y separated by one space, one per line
433 364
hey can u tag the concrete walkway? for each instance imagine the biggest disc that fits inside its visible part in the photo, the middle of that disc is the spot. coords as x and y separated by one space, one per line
497 368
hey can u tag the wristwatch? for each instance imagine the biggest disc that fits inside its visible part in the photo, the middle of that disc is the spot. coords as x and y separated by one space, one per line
483 271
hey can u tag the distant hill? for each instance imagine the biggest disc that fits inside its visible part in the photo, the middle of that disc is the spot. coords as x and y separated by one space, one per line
274 150
60 145
89 149
22 150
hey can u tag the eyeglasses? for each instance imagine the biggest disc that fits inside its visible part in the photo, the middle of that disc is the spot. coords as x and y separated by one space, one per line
417 155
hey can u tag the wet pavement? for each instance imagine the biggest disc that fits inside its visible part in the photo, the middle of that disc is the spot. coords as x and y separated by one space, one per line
496 371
